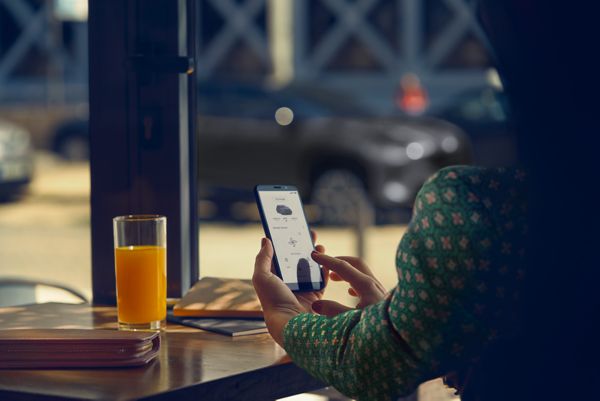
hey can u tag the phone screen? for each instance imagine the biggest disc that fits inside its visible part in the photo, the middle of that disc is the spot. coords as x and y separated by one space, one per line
285 223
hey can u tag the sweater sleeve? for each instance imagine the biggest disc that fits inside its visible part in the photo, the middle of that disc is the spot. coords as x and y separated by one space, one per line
458 269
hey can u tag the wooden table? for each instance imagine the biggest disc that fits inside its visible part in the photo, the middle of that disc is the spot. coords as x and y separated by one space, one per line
193 364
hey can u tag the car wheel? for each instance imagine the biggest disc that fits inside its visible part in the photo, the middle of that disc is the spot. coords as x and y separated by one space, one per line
341 197
74 148
13 192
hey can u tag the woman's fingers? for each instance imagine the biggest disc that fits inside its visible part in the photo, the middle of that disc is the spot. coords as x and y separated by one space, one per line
335 277
329 308
271 290
358 263
320 249
264 259
326 273
362 266
354 271
343 269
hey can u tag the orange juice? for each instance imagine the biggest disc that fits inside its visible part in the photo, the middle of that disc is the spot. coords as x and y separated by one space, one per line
141 273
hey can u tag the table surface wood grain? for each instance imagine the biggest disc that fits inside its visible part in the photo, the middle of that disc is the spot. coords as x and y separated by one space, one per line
192 364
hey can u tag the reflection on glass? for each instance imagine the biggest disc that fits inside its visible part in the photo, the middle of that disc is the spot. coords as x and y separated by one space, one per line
284 116
44 197
356 100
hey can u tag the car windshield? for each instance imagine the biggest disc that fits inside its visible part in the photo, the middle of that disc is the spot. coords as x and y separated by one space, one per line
256 101
488 105
227 100
311 101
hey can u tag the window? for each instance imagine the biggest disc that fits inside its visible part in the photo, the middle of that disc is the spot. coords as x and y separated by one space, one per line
335 74
341 126
44 173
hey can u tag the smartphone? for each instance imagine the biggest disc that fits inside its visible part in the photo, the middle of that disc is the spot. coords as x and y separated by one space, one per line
285 225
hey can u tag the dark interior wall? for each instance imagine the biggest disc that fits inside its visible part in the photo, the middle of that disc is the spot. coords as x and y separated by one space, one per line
545 52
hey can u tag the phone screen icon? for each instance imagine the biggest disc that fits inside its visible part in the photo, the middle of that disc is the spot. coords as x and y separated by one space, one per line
284 217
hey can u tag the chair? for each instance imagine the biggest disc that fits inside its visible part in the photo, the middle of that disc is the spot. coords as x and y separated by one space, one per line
19 291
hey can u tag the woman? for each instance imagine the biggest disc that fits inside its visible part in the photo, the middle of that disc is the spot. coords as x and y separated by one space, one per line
459 268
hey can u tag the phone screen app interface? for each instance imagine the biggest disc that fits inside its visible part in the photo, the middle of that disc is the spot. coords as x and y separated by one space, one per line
291 238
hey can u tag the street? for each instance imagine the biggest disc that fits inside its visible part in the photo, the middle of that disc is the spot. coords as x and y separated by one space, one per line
45 236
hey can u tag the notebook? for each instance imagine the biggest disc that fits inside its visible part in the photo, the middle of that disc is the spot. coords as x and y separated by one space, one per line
226 326
76 348
220 297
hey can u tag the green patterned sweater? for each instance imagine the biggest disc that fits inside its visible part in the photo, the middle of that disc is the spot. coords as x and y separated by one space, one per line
459 264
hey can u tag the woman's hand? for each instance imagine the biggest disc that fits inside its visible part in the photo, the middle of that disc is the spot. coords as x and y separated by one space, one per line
363 283
279 303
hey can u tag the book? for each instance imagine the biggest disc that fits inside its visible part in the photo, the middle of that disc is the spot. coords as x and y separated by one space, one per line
76 348
220 297
227 326
58 335
64 316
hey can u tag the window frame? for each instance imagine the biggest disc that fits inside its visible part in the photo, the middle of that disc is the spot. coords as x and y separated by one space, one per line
143 147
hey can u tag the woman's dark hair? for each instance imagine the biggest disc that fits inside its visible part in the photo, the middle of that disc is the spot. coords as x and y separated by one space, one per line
545 56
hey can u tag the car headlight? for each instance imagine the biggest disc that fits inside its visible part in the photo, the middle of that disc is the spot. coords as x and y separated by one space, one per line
450 144
396 192
415 150
401 155
18 144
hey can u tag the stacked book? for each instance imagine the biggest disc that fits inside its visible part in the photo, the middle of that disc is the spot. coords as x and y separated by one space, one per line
226 306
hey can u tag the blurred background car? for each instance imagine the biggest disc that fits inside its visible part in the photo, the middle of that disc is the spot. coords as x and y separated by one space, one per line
71 140
337 152
484 114
16 160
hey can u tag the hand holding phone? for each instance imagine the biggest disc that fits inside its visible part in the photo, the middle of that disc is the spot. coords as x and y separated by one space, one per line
285 225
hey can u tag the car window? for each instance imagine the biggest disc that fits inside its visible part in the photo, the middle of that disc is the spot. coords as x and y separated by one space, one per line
483 107
320 102
236 103
302 108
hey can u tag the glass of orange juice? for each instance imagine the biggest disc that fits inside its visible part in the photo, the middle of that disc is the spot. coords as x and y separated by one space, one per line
141 271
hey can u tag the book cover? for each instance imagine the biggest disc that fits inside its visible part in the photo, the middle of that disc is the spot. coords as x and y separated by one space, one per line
220 297
227 326
71 316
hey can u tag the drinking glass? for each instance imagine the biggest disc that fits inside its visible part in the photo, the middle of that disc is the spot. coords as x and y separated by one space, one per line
141 271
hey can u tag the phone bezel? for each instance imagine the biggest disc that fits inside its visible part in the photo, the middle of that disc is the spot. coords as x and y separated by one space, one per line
303 287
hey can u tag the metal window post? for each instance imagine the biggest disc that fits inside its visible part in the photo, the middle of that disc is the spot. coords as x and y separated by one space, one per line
142 131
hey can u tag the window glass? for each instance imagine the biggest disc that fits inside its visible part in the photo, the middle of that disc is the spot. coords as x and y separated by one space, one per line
44 173
334 101
338 102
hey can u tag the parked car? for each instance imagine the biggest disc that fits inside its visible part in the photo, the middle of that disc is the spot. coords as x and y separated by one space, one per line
337 153
71 140
484 115
334 150
16 160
